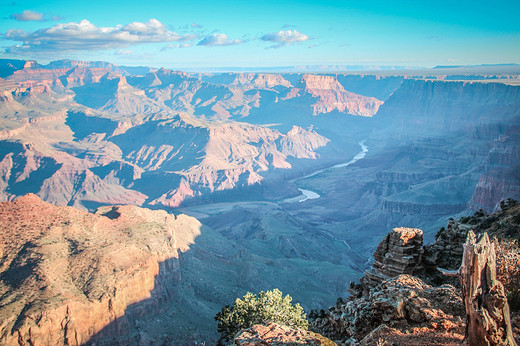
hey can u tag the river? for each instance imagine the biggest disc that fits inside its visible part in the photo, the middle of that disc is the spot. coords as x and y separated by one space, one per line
308 194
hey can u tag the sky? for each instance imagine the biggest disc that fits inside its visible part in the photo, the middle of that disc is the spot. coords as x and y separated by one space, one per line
267 33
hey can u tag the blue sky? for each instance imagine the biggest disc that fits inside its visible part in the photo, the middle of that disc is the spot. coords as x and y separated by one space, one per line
262 33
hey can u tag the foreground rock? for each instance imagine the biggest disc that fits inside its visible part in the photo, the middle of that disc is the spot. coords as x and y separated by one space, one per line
66 275
487 311
275 334
390 306
405 304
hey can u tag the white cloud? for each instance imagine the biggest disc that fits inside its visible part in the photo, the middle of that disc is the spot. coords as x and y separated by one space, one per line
173 46
218 40
86 36
28 15
284 38
123 52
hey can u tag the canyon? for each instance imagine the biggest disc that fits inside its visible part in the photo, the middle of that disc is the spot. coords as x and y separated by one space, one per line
235 151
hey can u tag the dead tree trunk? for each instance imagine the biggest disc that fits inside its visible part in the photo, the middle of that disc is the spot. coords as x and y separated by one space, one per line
487 312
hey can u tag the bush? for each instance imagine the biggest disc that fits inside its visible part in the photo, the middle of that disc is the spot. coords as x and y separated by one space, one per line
253 309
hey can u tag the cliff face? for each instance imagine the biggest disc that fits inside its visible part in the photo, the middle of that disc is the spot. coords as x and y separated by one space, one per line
67 274
332 96
450 106
465 133
501 178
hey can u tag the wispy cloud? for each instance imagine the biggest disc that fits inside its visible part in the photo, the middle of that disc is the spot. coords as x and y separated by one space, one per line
27 16
86 36
284 38
122 52
174 46
218 40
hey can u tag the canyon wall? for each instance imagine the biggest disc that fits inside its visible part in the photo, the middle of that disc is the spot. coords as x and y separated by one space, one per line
66 274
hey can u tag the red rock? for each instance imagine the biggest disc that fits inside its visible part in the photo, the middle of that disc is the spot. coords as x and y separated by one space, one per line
66 274
276 335
331 95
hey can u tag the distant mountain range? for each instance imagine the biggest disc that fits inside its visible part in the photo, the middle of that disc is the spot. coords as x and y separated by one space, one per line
470 66
301 68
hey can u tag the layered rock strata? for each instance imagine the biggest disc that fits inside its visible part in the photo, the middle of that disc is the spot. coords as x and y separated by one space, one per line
400 252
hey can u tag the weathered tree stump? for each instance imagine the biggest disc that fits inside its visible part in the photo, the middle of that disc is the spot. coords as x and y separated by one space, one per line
487 311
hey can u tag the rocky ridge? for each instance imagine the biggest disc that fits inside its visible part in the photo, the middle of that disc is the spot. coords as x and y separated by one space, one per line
392 305
66 275
276 335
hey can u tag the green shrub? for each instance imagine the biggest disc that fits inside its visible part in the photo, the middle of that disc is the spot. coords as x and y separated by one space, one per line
270 306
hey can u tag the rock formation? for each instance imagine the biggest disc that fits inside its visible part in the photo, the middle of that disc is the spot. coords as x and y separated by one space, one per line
277 335
404 309
487 311
66 275
331 96
405 304
398 253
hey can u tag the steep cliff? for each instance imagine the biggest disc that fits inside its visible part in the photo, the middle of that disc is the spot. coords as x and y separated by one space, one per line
428 107
332 96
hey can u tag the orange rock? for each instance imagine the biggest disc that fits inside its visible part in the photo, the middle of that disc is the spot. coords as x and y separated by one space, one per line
276 334
66 274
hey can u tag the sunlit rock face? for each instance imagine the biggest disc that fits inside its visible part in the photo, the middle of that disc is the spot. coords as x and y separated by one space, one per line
67 275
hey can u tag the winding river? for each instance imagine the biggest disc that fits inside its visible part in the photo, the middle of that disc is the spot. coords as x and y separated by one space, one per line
308 194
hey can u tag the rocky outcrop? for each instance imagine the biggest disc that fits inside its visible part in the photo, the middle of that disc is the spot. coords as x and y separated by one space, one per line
485 302
405 304
445 252
276 335
407 309
66 275
398 253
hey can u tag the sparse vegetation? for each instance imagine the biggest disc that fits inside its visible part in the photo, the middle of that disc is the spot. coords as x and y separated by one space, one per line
508 269
261 308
